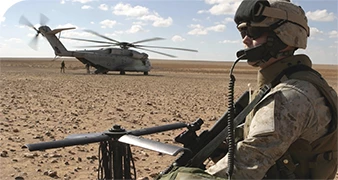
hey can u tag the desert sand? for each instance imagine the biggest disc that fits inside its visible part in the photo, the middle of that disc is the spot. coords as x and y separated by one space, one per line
38 103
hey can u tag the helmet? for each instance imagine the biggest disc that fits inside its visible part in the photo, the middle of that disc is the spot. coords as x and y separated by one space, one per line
285 19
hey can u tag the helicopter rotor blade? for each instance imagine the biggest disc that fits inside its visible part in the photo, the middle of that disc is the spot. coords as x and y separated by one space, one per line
43 19
147 40
24 21
152 145
85 135
34 42
127 137
95 46
89 40
157 129
169 55
100 35
67 142
163 47
126 45
138 132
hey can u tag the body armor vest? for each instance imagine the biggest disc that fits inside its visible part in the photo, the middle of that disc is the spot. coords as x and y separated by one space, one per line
305 160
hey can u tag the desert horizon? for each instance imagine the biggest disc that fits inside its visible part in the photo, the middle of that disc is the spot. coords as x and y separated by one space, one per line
38 103
151 59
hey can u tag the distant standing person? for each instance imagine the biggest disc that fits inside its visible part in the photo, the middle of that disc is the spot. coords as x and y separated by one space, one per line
88 68
63 67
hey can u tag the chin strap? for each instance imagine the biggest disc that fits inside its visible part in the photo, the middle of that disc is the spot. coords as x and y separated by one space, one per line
278 55
262 53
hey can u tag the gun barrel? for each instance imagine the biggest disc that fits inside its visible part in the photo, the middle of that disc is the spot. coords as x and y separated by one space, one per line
66 142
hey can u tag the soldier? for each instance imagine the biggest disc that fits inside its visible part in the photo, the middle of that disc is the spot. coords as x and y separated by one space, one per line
88 68
291 133
63 67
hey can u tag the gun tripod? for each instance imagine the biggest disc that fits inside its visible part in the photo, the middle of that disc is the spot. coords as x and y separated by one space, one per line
115 158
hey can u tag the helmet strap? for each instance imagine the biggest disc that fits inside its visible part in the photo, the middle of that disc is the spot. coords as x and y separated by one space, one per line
262 53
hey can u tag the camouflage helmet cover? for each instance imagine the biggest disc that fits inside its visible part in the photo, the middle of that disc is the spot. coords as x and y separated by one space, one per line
295 31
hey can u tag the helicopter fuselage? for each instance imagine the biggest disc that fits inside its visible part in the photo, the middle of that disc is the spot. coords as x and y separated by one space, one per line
114 59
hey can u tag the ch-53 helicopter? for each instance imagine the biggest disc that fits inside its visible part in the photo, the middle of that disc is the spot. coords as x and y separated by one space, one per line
104 59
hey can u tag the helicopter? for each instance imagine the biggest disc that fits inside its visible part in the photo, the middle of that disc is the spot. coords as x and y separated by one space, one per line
107 58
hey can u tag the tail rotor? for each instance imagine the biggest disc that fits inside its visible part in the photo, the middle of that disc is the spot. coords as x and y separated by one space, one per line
43 21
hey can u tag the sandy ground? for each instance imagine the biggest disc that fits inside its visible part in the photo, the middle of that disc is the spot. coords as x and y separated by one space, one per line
38 103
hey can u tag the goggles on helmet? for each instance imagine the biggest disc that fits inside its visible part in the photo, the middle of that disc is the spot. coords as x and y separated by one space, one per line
252 32
255 32
257 10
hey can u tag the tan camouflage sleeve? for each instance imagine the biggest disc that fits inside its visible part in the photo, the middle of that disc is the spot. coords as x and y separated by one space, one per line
288 112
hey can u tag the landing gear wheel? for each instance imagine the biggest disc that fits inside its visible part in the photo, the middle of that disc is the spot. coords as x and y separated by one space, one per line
145 73
122 72
100 71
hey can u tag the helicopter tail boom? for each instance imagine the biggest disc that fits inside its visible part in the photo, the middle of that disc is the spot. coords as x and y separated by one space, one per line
58 47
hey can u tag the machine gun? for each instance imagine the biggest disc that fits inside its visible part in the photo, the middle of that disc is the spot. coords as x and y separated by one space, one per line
201 147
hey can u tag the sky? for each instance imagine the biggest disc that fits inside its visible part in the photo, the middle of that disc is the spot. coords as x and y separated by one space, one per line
204 25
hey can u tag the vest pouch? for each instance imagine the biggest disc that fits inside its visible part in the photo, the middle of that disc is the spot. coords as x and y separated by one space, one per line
324 165
293 164
301 153
317 160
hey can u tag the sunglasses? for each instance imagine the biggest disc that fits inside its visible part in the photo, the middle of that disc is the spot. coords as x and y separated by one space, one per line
252 32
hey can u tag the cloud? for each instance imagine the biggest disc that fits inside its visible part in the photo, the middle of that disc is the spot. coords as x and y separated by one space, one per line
140 23
86 7
158 21
80 34
333 46
202 11
200 30
82 1
107 23
314 31
66 25
177 38
14 40
230 42
135 29
197 30
103 7
222 7
333 34
217 28
320 15
161 22
143 14
128 10
227 20
62 2
196 20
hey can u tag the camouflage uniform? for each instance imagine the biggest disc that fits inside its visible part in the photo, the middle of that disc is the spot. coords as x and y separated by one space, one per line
293 109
